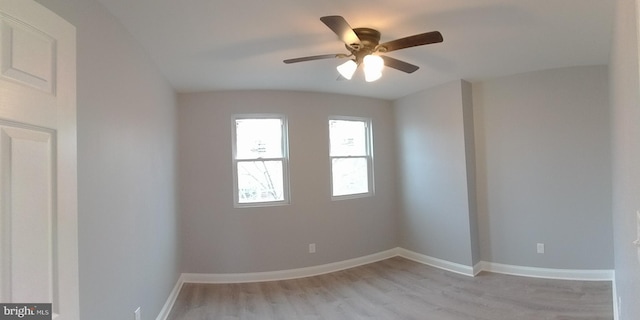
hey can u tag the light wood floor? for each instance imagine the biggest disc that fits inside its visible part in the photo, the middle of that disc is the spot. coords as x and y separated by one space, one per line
397 288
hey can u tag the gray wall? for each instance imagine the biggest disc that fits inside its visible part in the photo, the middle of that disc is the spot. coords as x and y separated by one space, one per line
219 238
528 161
625 102
544 168
128 243
433 174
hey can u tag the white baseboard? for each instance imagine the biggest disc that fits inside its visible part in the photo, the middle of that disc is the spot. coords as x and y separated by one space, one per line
164 313
562 274
547 273
438 263
616 307
286 274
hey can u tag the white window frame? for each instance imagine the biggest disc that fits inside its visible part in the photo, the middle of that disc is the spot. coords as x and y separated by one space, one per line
368 157
285 161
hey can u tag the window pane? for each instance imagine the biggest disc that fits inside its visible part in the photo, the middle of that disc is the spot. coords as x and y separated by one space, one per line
348 138
260 181
258 138
349 176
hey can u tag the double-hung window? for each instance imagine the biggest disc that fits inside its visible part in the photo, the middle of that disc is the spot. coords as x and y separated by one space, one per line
351 161
260 160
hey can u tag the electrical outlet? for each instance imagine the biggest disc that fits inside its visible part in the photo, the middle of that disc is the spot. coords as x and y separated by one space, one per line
312 248
540 247
136 314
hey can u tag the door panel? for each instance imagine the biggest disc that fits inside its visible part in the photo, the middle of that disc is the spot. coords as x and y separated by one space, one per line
27 55
26 199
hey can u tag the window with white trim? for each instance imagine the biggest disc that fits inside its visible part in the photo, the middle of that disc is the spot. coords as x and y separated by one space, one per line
260 160
351 161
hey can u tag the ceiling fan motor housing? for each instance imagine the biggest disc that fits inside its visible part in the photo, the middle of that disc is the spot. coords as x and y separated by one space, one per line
369 40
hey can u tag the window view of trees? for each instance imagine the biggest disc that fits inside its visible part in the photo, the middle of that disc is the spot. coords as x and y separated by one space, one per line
260 160
260 181
350 157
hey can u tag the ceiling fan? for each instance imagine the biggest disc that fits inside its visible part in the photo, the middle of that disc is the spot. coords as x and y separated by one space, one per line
365 48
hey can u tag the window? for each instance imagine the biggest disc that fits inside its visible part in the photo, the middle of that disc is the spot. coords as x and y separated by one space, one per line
350 153
260 160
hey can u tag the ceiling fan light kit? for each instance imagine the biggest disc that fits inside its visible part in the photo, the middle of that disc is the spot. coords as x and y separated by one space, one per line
364 47
372 67
347 69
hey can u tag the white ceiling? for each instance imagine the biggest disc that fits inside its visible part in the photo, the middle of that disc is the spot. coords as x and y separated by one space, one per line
202 45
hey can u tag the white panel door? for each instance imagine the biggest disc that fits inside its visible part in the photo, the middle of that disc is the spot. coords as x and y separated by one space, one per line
38 170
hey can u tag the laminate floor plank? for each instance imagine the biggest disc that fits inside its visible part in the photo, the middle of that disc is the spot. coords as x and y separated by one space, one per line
397 288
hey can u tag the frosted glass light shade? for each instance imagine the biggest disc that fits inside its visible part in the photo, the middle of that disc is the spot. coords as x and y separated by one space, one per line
373 67
372 76
347 69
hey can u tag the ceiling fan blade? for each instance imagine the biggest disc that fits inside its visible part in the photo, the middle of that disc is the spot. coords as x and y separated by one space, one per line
413 41
399 64
310 58
344 31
